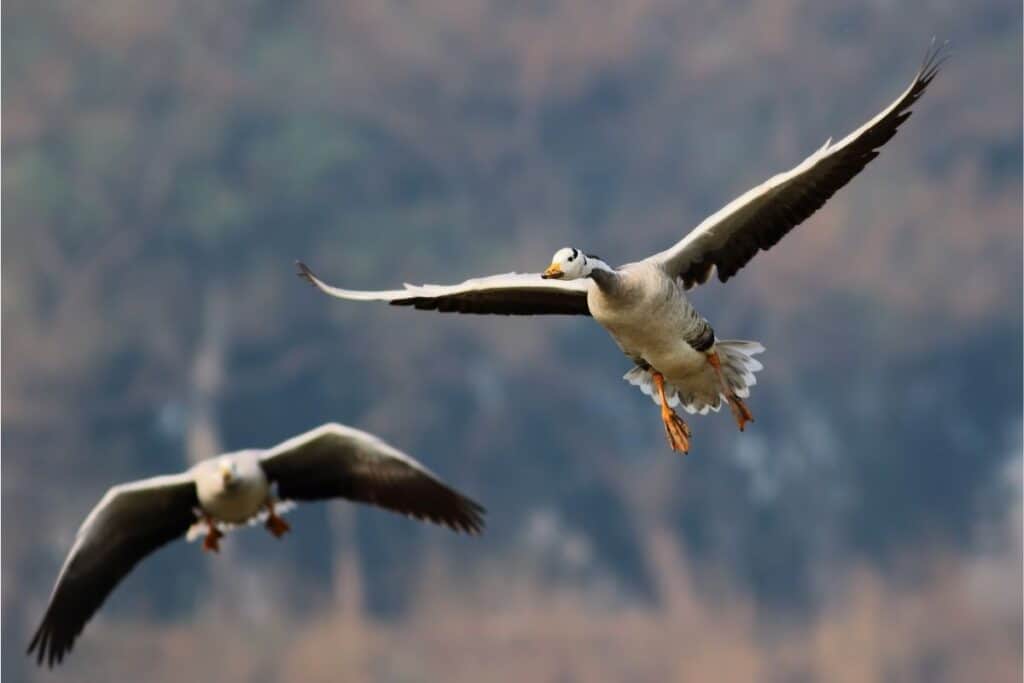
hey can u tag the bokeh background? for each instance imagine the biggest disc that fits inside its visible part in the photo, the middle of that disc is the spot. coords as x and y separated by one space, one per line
165 162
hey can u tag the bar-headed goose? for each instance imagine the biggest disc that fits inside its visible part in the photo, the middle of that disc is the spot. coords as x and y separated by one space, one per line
135 519
679 360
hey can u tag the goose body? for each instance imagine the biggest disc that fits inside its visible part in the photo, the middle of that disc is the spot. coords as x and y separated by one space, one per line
643 305
135 519
650 318
235 499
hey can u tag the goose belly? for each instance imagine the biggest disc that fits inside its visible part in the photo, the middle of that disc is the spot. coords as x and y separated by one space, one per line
237 504
664 350
656 333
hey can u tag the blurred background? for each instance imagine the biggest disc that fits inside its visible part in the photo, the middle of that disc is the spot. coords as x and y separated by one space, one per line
165 163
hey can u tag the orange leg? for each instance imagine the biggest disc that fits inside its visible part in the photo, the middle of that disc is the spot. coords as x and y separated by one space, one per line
739 409
676 431
211 543
275 524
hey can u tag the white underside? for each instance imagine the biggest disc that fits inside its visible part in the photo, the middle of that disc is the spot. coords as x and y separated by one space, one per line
650 319
201 528
242 502
694 385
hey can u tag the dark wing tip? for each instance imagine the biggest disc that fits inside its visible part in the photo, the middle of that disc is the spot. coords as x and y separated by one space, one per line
44 644
445 506
38 645
934 57
305 273
452 510
470 518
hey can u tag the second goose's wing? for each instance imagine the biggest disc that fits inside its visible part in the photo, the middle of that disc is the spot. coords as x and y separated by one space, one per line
335 461
130 522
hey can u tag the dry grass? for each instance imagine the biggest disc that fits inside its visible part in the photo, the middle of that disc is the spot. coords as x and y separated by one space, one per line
942 618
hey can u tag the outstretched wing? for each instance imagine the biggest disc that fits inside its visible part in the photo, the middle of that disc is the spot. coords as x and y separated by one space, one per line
758 219
508 294
130 522
334 461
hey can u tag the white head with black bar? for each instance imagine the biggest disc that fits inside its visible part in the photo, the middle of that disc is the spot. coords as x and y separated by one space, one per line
569 263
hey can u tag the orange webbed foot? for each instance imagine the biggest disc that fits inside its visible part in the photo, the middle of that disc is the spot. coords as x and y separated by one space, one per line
277 526
740 411
211 543
676 431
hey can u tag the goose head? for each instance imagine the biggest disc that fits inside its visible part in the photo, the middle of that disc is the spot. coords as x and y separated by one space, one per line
568 263
228 470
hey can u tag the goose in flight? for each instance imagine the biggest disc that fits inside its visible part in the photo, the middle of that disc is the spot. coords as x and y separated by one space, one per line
643 305
135 519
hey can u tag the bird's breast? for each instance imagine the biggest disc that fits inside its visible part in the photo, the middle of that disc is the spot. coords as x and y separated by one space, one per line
648 322
236 504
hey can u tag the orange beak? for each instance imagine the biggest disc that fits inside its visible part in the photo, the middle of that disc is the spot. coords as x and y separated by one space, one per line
554 272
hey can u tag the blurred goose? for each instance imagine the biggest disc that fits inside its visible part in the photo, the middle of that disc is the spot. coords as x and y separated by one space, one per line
679 360
135 519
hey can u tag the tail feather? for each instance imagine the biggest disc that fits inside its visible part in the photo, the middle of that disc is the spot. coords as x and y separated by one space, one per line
738 368
641 377
677 398
739 364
